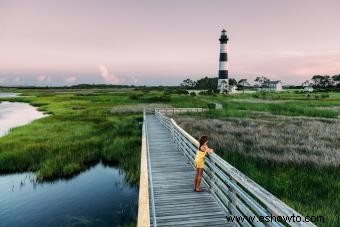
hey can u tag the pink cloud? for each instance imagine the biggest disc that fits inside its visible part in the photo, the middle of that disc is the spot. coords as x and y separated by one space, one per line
318 64
41 78
70 79
108 76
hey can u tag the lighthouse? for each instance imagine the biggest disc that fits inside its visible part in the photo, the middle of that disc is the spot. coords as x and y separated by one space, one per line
223 83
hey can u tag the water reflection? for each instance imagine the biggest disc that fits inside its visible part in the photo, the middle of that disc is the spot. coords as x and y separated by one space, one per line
8 94
14 114
96 197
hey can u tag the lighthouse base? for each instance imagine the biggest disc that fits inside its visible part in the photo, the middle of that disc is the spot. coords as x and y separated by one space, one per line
223 85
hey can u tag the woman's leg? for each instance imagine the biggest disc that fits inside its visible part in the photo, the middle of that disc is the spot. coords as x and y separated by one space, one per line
199 178
196 177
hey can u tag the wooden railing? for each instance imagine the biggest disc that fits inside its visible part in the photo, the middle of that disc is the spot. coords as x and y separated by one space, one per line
146 196
143 201
234 191
171 111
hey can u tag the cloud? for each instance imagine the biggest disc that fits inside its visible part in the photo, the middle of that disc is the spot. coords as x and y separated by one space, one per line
291 67
292 53
17 79
318 64
134 79
2 80
70 79
43 78
108 76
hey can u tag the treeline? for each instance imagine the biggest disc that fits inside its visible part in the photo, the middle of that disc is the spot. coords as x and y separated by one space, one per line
325 81
93 86
78 86
210 84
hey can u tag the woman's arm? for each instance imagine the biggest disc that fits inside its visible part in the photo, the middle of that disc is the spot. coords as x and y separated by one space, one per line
210 150
205 148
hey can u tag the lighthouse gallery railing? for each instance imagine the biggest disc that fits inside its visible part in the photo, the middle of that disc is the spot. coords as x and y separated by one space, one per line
234 191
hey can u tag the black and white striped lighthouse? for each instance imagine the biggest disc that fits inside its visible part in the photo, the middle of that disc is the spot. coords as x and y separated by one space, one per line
223 84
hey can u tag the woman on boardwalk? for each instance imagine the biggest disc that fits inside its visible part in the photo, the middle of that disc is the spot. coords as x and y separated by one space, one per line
203 150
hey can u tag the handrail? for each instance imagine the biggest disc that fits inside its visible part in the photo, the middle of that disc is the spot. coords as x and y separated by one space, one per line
171 111
236 193
143 199
153 209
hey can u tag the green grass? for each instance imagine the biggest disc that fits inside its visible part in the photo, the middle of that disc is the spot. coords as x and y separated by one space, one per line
309 190
79 132
288 104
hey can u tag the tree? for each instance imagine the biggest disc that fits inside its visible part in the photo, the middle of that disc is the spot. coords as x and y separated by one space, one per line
188 83
232 82
242 83
322 81
261 81
207 83
336 79
317 80
307 83
327 81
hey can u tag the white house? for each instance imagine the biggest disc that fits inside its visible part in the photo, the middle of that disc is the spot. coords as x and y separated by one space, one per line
308 89
233 89
275 85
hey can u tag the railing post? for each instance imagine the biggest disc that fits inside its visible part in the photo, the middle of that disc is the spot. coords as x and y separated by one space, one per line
213 174
233 197
172 132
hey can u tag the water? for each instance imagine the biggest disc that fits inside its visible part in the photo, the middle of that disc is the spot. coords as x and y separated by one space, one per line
8 95
97 197
14 114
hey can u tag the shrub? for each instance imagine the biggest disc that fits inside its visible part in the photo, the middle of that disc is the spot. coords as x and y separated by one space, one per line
135 96
211 106
323 96
167 92
165 98
181 92
162 98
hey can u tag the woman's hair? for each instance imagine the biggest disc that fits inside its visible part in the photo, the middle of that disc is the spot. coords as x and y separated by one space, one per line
202 141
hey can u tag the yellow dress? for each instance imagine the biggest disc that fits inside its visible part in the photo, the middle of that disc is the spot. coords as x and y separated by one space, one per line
199 159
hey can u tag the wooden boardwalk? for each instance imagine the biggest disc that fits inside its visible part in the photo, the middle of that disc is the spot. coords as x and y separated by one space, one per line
176 204
166 196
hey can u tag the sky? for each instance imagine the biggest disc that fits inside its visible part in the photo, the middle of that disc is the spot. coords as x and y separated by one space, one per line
162 42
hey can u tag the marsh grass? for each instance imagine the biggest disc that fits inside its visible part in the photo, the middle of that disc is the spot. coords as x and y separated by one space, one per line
138 108
280 139
296 159
80 131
